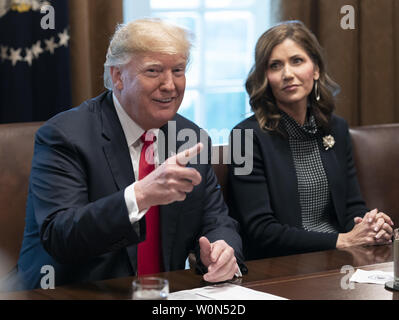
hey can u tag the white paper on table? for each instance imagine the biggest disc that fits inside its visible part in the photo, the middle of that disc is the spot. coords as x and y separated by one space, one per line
226 291
373 276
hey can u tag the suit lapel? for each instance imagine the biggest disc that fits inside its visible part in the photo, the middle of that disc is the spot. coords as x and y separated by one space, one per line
117 154
283 169
333 172
115 147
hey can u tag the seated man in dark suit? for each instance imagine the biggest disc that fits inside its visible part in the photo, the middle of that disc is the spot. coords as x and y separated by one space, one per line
102 201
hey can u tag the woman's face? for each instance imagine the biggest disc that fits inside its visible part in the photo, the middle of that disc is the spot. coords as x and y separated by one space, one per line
291 73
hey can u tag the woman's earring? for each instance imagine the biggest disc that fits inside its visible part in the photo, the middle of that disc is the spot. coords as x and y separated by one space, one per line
316 90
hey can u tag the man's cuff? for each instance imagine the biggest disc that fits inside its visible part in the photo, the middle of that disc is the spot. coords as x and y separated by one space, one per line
238 274
131 204
201 269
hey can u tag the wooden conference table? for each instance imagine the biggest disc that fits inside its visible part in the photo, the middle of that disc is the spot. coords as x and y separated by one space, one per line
314 275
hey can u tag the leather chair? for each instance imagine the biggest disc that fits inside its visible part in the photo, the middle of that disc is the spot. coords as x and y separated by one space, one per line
376 155
16 151
219 163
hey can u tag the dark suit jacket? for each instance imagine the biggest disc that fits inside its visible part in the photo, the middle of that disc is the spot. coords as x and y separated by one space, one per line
76 217
266 202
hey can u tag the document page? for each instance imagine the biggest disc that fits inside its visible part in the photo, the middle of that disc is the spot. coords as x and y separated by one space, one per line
373 276
226 291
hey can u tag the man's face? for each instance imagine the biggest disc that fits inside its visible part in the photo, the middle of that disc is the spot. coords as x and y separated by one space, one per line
151 88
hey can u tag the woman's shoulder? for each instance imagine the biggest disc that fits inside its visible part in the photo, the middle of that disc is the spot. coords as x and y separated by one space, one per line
251 129
248 123
338 123
339 128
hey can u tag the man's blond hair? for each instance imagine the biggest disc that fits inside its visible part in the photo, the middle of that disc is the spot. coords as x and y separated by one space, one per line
141 36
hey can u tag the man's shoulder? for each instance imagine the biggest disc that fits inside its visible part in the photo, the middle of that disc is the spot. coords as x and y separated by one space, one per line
80 117
184 123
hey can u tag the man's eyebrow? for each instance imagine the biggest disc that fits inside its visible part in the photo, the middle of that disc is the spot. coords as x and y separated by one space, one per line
181 64
150 64
155 63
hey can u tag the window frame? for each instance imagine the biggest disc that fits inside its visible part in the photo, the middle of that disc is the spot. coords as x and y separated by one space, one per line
261 13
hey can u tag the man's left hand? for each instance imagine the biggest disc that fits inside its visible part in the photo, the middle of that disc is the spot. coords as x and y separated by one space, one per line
219 258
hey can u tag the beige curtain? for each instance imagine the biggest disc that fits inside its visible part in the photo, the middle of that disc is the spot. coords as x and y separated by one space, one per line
92 24
364 61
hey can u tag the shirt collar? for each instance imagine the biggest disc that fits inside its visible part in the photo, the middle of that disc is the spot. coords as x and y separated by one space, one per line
132 130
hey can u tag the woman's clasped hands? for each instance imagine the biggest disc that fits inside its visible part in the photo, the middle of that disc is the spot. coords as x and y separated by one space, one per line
373 229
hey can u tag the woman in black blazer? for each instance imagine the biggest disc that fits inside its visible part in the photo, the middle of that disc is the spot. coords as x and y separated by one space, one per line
302 193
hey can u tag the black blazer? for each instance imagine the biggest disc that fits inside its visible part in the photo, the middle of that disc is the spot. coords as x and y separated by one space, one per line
266 202
76 217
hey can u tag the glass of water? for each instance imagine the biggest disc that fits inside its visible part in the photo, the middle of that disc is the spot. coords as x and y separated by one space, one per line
396 257
150 288
394 285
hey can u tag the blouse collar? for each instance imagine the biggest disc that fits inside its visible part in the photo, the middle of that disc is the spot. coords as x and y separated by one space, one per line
297 131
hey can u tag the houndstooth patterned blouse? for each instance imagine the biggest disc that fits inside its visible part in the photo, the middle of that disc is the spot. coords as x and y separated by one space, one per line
313 189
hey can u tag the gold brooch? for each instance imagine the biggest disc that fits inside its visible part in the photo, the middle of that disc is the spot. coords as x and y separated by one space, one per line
328 142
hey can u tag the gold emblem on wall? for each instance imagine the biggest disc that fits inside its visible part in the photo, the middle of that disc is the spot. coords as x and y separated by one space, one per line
21 6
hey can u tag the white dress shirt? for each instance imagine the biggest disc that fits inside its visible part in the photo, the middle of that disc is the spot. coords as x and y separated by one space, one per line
133 132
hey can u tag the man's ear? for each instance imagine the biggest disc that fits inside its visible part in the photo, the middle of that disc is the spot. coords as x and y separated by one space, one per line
116 76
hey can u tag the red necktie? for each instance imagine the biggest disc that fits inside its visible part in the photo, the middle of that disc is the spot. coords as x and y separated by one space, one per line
149 251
